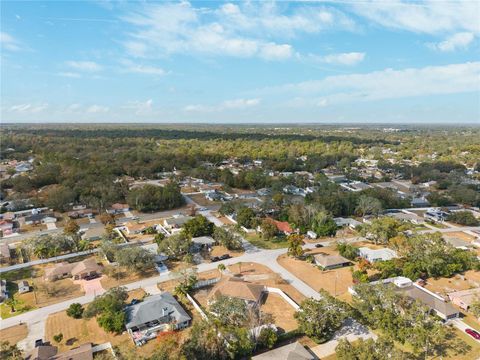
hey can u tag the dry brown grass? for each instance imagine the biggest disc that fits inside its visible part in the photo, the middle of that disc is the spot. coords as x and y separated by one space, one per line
281 311
336 282
220 250
124 277
458 282
14 334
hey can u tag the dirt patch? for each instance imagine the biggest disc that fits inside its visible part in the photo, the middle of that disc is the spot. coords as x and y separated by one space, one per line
281 311
14 334
336 282
443 286
220 250
459 235
123 277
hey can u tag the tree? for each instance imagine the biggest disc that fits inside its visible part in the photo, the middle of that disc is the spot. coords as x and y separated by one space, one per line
324 225
320 319
175 246
381 230
151 198
187 278
475 307
227 238
71 228
59 198
347 250
463 218
159 237
50 245
268 338
245 215
295 243
368 205
107 218
230 311
58 337
12 302
109 309
198 226
269 230
136 258
205 342
168 348
369 350
75 310
10 352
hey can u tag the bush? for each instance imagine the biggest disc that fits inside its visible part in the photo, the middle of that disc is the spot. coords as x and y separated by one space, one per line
463 218
58 338
75 310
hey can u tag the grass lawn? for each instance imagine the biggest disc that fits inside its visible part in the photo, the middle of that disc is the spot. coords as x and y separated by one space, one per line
437 225
276 243
20 308
14 334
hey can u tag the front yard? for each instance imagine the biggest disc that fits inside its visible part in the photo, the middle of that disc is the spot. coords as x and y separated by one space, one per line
275 243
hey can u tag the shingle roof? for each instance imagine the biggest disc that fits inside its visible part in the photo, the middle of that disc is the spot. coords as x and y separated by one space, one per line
155 307
293 351
325 260
237 288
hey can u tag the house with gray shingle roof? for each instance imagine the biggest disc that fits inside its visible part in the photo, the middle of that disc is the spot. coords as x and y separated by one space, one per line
156 313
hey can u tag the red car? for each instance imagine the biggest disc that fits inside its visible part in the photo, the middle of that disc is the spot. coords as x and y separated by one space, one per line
473 333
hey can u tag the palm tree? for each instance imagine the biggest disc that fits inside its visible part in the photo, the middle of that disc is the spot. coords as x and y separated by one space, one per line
12 302
221 268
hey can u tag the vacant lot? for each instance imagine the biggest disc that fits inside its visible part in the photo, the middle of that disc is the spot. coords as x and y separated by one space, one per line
281 311
443 286
118 276
460 235
336 282
220 250
201 200
14 334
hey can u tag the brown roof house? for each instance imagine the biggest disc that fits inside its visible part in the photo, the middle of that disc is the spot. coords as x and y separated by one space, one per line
465 298
328 262
232 287
48 352
77 270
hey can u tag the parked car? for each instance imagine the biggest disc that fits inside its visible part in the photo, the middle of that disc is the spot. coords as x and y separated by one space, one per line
214 259
38 342
473 333
134 301
318 245
91 277
224 257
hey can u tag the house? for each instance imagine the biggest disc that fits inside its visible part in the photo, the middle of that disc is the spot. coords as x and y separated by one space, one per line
216 195
23 167
80 213
419 201
48 352
205 242
93 234
118 208
133 228
264 192
6 227
351 223
233 287
328 262
435 215
282 226
39 218
4 252
23 287
293 190
293 351
406 287
464 298
155 314
174 224
409 217
374 255
311 234
3 290
77 270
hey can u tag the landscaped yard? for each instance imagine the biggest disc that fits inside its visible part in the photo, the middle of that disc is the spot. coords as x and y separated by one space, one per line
276 243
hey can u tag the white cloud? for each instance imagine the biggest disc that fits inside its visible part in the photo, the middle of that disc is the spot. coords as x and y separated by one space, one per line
73 108
348 59
28 108
96 109
140 107
454 42
8 42
239 30
385 84
144 69
226 105
89 66
69 75
425 16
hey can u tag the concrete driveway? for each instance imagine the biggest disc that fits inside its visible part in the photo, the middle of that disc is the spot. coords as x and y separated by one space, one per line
51 226
91 287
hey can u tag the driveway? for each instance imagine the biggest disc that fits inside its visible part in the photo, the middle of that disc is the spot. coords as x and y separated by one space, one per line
51 226
460 325
351 331
91 287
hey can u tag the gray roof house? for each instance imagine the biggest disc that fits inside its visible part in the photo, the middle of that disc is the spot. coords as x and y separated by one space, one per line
328 262
293 351
373 255
155 314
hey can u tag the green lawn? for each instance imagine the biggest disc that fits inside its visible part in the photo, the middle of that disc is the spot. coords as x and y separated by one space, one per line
20 308
276 243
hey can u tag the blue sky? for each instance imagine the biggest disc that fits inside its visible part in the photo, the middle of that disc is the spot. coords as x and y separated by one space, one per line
240 62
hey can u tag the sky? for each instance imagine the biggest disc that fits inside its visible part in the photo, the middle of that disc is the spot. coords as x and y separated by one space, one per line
382 61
